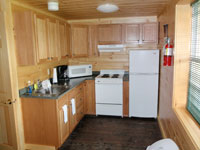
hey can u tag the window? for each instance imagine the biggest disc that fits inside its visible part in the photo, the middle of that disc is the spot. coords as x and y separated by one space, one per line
193 104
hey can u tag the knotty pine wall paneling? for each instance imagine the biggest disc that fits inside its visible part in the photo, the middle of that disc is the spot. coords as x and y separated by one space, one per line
170 124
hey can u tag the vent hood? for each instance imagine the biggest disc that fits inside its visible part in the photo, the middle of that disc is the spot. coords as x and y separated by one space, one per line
111 48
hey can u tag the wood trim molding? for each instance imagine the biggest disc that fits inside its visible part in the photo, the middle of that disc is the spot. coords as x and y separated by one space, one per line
3 129
191 127
164 135
38 147
119 20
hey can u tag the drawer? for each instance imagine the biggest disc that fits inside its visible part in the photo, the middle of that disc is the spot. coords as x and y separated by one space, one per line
80 113
63 100
109 109
80 88
79 100
80 104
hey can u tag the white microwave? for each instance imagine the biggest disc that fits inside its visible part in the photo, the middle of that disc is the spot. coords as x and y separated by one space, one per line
79 71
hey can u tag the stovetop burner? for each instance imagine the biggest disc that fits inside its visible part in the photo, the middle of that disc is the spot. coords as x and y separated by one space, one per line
105 76
115 76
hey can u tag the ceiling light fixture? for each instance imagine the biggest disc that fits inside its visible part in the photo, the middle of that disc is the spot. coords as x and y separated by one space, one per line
53 6
107 8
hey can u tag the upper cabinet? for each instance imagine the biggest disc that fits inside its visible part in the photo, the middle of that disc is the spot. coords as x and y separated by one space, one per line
110 34
79 40
52 33
141 33
93 51
24 39
150 33
41 37
132 33
64 39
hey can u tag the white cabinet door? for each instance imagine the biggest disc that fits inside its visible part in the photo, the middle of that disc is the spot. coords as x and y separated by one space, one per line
143 96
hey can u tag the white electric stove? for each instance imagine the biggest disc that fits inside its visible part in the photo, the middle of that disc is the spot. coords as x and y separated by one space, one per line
109 92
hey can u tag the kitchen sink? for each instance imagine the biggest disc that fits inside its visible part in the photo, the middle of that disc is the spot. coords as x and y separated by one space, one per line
55 90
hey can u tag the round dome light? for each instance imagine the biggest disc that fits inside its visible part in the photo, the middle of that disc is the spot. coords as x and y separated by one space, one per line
53 6
107 8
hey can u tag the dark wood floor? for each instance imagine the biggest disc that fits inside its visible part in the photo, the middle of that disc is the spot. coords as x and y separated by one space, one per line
113 133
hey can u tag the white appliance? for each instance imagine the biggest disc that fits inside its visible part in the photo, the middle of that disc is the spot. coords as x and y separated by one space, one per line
79 71
109 92
55 78
111 48
143 83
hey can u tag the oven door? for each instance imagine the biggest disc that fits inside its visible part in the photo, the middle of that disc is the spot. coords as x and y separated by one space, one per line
109 93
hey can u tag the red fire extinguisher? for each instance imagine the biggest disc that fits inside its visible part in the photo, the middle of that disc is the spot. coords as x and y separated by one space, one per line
168 53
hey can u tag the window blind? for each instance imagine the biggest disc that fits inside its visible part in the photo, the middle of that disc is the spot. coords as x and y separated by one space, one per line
193 104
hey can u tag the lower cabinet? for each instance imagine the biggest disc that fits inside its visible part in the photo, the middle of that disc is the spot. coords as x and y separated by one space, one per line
49 122
89 102
126 98
63 121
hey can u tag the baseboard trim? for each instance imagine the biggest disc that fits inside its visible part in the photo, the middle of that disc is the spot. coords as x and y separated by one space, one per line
162 128
38 147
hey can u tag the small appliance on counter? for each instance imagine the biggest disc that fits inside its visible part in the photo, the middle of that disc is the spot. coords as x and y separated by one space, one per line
62 74
79 71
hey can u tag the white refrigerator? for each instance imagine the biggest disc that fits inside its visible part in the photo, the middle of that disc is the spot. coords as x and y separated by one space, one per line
143 83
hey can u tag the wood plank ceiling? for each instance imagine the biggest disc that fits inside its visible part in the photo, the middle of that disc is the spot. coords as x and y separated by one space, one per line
86 9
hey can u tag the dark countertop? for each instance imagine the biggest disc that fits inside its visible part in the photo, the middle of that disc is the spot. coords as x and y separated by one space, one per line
126 77
72 84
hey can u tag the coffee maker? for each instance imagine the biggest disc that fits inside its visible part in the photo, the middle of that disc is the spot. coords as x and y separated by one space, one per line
62 74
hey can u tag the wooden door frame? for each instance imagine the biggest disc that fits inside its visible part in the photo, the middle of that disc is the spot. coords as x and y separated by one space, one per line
15 115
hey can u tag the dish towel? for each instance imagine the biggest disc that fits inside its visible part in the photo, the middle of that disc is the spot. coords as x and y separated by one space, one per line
73 106
65 113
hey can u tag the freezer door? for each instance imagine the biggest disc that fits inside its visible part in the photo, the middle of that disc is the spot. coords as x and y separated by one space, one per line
144 61
143 95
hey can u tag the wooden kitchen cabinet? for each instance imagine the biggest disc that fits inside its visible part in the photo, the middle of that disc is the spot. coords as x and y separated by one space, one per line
150 33
146 33
52 34
24 37
63 126
40 121
78 95
93 41
41 37
80 106
110 34
79 40
131 33
44 118
73 120
64 39
126 98
89 102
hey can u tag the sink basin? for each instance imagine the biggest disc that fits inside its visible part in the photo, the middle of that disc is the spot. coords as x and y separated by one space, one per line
55 90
